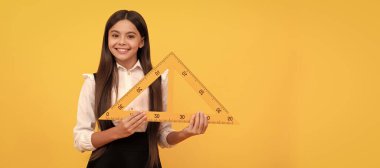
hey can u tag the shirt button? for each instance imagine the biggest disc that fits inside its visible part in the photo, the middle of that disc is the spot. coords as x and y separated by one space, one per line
129 73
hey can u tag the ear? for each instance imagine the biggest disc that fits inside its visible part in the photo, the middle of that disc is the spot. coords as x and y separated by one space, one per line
141 45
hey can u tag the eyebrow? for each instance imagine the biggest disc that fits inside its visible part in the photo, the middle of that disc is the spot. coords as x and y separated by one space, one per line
125 33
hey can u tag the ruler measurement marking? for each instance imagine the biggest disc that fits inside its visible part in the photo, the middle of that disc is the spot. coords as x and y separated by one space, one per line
155 116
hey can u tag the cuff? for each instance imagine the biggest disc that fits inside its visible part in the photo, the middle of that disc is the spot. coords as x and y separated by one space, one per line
84 142
163 139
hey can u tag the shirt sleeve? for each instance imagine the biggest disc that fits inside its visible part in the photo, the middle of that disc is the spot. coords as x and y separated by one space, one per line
165 127
85 125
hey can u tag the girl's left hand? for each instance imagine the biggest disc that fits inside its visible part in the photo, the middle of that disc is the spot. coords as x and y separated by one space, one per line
198 125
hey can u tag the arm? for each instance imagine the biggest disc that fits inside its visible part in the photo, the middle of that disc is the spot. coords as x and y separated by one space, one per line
85 125
198 125
85 139
124 129
98 139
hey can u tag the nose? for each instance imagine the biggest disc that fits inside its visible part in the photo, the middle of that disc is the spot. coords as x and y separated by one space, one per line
122 40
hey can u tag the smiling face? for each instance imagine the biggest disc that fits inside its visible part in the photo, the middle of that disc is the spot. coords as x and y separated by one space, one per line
124 40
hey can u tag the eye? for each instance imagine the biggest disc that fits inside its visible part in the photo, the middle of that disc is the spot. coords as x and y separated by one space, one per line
115 35
131 36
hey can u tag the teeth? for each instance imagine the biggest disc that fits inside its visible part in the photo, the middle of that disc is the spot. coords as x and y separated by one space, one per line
122 49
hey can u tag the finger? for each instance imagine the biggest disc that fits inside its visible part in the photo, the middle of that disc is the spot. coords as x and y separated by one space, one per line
142 123
192 121
134 119
196 125
205 124
138 123
135 114
201 123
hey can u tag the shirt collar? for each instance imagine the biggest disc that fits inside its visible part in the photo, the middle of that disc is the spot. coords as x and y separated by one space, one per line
136 66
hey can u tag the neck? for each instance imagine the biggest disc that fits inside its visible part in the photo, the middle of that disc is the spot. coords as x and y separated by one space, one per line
128 64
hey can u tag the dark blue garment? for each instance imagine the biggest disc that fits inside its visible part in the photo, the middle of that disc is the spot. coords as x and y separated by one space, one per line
129 152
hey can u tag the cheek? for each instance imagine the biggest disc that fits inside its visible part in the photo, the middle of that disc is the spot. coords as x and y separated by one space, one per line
137 44
111 43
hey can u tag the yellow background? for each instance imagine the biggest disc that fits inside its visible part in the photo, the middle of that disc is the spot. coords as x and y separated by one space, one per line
301 77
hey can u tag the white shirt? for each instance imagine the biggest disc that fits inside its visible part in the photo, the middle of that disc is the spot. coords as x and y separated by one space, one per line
127 79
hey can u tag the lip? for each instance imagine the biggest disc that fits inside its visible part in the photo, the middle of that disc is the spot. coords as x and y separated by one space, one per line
122 50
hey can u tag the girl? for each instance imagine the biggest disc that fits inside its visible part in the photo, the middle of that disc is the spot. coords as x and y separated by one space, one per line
131 142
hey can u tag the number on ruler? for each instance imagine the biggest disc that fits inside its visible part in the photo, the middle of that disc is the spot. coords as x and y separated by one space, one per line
201 91
107 113
208 117
157 72
138 90
156 115
218 110
181 116
184 73
230 118
120 107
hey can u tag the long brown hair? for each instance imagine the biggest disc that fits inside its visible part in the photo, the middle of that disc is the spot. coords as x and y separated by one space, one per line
107 78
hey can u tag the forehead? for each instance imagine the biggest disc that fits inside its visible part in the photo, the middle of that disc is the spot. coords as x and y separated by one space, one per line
124 26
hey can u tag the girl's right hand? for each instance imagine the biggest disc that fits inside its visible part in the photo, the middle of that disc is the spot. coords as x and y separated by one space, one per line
129 125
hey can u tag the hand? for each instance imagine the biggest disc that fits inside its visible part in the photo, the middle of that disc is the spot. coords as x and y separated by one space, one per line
198 125
129 125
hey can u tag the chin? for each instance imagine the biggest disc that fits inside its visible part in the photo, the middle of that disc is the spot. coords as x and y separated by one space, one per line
123 57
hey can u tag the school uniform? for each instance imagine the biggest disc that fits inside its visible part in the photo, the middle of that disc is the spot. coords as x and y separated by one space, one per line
133 150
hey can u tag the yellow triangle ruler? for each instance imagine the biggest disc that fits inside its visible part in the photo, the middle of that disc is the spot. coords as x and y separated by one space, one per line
172 62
